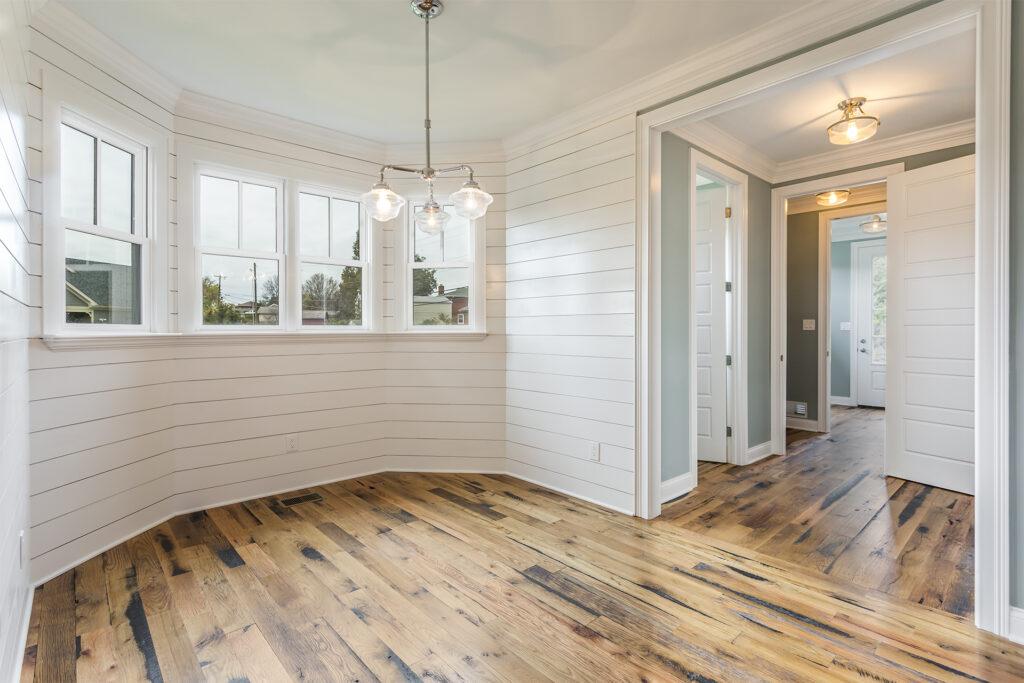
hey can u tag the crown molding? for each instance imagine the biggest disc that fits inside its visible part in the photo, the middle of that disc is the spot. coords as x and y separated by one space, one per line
788 33
213 110
729 149
747 158
66 28
877 151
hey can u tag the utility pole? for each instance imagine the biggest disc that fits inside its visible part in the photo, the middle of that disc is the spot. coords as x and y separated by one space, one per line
253 292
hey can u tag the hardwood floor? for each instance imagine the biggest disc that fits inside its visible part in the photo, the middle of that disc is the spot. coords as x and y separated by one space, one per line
469 578
827 506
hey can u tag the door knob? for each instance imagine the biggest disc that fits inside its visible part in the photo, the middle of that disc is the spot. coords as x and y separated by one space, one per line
863 350
863 341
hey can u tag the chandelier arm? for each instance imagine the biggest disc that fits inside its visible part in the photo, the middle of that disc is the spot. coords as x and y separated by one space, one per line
460 167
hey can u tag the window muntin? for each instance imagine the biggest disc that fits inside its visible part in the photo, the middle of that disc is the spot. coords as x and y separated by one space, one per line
333 270
102 200
441 274
240 252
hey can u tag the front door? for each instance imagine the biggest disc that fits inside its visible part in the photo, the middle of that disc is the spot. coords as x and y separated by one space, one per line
870 323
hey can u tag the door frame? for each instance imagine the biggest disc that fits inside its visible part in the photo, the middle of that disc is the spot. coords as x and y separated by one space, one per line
825 218
990 23
855 302
736 259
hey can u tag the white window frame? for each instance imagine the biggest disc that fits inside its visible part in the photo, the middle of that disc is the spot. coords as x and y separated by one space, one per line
241 176
67 102
477 276
365 262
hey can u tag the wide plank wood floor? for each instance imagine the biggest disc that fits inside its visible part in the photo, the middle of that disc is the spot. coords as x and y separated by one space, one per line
473 578
826 505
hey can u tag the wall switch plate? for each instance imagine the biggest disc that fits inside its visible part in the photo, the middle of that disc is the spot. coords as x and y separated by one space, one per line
845 327
595 451
291 443
809 324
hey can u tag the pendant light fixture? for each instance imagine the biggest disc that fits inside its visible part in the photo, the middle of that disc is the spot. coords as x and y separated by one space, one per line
832 197
854 126
874 226
471 202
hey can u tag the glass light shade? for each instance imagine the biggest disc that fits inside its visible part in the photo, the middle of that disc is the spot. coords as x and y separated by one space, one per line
471 202
875 225
431 219
832 197
382 203
855 126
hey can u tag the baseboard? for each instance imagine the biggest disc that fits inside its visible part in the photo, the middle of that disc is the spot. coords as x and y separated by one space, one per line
26 618
842 401
758 452
677 486
377 465
1016 633
801 423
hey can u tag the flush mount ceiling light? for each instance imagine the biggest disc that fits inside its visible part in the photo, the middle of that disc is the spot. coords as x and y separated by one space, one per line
832 197
384 204
855 125
875 225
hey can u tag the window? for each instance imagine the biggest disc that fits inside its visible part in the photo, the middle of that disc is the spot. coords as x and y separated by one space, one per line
240 253
103 223
333 267
442 274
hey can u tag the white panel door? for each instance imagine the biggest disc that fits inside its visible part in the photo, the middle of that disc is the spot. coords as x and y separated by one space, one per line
930 409
710 319
870 315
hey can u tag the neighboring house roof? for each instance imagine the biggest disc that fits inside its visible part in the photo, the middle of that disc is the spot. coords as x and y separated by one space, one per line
430 299
73 296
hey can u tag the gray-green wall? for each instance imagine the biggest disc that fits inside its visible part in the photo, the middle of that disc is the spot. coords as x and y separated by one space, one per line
675 273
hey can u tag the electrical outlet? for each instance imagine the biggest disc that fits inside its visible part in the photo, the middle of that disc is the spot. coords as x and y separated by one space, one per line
291 443
595 451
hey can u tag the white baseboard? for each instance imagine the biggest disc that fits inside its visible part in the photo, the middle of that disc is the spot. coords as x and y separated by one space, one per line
842 401
1016 633
758 452
801 423
26 618
677 486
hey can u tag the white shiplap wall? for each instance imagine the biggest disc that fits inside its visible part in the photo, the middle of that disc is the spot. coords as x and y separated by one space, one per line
121 438
19 314
570 312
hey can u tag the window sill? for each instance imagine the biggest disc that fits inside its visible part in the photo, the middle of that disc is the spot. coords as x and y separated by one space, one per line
62 342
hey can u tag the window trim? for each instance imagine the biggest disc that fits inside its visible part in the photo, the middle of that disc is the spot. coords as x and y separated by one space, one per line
367 252
66 101
241 176
477 275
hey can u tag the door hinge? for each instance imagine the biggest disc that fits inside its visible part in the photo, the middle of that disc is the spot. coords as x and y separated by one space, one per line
728 432
728 286
728 359
728 212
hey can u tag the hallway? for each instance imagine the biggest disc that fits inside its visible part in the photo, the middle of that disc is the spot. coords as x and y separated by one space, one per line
827 506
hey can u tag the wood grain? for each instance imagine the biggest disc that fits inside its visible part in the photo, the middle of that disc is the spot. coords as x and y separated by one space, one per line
827 505
477 578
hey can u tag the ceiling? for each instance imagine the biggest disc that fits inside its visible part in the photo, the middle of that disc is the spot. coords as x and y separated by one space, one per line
924 87
848 229
356 65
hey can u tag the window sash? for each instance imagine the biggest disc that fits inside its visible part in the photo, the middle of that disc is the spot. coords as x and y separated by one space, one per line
140 229
242 177
476 295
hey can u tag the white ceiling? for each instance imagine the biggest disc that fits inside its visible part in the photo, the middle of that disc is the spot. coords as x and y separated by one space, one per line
928 86
356 65
848 229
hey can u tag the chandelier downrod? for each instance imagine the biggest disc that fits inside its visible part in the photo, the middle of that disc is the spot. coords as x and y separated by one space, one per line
471 202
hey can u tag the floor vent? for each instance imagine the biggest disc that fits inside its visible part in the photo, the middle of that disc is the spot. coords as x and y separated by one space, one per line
308 498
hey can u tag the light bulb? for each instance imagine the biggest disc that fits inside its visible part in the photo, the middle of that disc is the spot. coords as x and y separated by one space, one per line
382 203
431 219
471 202
851 132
